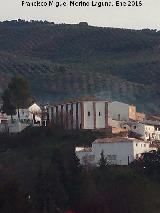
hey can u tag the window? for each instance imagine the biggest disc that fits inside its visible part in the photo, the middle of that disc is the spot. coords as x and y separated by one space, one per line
125 127
134 127
144 145
89 113
136 144
99 113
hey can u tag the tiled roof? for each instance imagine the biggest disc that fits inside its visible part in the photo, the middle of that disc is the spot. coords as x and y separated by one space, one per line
117 140
81 99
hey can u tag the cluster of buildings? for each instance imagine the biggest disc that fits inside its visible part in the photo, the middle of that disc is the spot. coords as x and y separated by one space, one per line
94 114
107 115
117 151
30 116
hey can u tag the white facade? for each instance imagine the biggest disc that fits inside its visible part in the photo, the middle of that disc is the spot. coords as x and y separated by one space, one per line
118 151
146 131
29 115
16 127
3 118
80 114
23 118
118 111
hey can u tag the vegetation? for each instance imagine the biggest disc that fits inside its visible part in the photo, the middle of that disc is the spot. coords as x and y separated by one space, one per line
59 59
7 106
16 96
41 174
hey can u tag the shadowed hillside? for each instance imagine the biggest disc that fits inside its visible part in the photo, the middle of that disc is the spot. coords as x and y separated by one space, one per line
40 173
66 61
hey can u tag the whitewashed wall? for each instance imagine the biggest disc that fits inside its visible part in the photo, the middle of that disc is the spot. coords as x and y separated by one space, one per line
88 120
118 108
100 118
146 131
86 157
23 113
121 150
16 127
157 134
79 116
140 148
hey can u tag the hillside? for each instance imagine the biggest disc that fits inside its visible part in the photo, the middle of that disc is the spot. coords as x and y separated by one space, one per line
66 61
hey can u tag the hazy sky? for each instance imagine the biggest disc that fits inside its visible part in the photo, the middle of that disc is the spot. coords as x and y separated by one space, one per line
147 16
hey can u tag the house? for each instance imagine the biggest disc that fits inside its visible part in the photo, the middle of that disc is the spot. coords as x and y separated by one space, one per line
124 112
30 115
23 118
117 151
3 118
144 130
80 114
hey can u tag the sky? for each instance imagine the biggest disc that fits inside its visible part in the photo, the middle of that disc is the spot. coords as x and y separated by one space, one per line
146 16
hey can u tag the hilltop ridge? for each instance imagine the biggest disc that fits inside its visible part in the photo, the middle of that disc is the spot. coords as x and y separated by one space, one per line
68 61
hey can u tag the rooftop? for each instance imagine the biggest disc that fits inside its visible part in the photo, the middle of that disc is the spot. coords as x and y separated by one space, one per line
117 140
83 149
81 99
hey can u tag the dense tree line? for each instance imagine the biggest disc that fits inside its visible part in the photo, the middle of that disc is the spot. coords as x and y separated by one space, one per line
47 177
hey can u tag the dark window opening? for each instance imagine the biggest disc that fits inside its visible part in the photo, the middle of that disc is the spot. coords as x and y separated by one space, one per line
89 113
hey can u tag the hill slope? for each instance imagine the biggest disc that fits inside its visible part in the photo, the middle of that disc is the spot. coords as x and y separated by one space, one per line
40 164
65 61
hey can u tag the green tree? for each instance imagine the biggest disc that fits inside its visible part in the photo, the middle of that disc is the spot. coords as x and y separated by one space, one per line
18 93
103 161
8 107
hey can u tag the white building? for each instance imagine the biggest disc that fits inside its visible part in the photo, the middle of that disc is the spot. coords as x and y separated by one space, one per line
118 111
3 118
81 114
124 112
118 151
30 115
146 131
92 114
